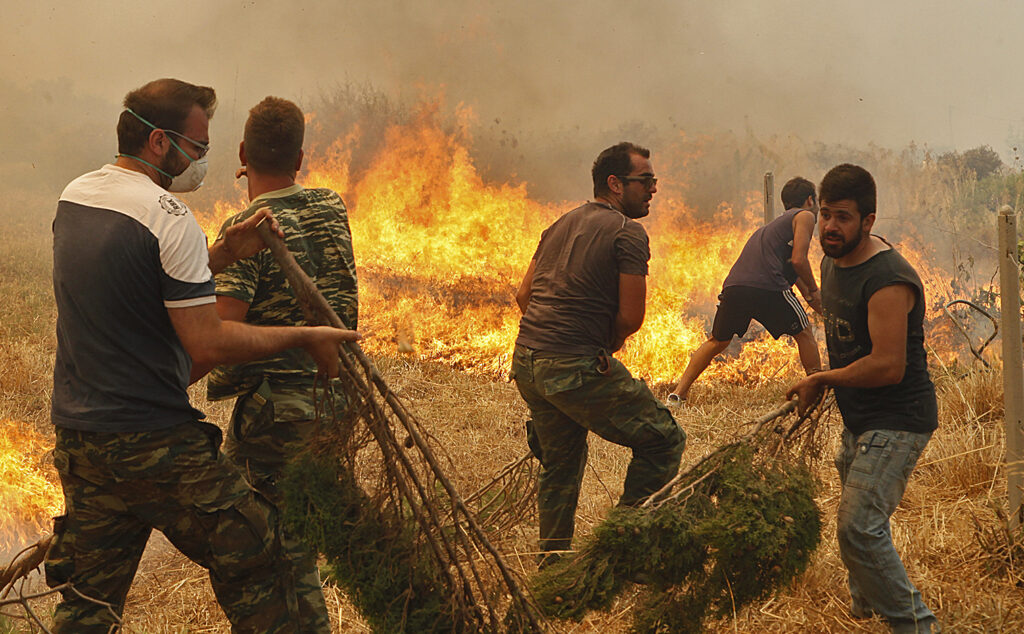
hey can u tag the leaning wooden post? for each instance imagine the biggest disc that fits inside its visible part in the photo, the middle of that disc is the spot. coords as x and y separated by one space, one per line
769 197
1013 361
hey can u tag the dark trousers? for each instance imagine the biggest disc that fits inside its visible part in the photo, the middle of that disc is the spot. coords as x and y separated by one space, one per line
568 397
120 486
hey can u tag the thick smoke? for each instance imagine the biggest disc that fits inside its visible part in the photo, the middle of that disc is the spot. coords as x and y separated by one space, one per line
868 72
721 92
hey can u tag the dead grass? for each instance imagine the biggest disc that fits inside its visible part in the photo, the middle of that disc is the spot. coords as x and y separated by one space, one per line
480 424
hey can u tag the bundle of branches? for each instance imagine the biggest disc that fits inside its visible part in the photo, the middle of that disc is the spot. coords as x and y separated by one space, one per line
732 529
373 497
510 498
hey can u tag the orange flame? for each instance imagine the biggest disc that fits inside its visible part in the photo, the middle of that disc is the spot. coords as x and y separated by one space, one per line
440 254
29 496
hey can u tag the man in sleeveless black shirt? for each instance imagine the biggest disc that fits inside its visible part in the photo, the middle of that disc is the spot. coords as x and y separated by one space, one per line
874 307
759 286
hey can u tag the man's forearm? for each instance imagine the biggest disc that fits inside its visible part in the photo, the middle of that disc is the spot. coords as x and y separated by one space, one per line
632 306
526 288
869 371
210 340
238 342
523 301
805 275
220 257
623 328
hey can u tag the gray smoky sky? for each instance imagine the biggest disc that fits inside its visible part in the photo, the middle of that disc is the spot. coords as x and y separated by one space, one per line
940 74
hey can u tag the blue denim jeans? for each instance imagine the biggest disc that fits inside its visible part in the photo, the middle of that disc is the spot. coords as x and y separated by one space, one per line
874 468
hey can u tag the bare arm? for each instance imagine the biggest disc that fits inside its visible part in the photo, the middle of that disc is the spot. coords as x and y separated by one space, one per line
632 307
240 241
231 309
803 233
885 364
211 341
525 288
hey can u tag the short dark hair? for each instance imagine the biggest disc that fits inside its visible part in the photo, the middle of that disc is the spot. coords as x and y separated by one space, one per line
796 192
273 136
615 161
849 182
165 103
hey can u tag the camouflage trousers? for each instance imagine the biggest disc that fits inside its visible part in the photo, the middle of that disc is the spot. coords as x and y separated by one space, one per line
120 486
268 428
568 397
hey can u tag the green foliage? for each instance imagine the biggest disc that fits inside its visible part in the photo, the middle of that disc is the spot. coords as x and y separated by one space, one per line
974 184
997 190
572 587
747 529
981 161
671 611
374 557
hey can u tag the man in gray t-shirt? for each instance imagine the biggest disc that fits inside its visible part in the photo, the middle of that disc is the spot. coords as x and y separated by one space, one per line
583 294
759 287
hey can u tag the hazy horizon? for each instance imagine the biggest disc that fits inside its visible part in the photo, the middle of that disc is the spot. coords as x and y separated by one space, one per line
889 74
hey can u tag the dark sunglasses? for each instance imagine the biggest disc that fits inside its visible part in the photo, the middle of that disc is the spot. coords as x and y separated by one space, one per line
648 181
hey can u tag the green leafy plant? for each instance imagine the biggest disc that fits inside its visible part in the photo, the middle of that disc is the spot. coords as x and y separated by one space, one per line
374 557
735 528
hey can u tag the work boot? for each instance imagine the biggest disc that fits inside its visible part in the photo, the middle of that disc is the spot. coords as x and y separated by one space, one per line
546 559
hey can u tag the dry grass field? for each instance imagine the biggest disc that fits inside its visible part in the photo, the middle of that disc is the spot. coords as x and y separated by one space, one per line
479 422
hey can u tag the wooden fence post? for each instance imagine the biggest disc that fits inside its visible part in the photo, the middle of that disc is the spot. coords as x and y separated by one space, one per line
1013 374
769 197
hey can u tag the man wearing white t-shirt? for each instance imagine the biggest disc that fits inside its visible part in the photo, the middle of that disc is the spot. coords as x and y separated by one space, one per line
136 324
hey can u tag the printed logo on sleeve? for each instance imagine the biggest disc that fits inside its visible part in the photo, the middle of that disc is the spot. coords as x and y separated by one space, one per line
172 205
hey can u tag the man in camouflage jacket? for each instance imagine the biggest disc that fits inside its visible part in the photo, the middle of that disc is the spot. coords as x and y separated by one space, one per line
278 407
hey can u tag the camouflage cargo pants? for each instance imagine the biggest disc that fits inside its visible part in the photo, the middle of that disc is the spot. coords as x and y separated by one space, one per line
268 428
120 486
568 397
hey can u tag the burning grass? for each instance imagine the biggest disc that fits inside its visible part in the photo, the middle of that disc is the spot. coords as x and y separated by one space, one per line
28 495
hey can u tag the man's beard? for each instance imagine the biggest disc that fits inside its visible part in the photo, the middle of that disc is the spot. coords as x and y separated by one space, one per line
639 212
841 249
636 211
170 165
